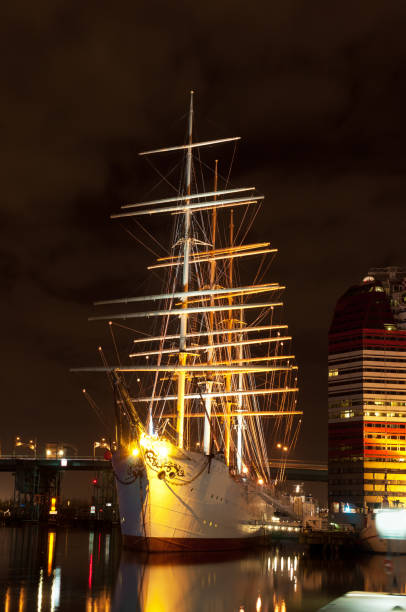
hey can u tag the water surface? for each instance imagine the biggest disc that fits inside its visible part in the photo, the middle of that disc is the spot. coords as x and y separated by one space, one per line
64 569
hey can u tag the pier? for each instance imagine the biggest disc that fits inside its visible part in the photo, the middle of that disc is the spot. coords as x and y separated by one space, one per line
329 543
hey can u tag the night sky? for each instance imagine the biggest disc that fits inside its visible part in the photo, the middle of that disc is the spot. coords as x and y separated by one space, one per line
315 89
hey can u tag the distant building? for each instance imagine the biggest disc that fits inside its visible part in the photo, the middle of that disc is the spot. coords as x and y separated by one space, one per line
367 393
393 280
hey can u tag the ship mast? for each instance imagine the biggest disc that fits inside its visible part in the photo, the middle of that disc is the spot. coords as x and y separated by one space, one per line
226 375
209 383
227 418
239 405
185 282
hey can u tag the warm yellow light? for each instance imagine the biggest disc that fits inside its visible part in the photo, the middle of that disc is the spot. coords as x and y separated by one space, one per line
145 442
53 509
135 452
51 549
7 601
61 452
279 445
260 481
48 452
161 448
245 469
285 448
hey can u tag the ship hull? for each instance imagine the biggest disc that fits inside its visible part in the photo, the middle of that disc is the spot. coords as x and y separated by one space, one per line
202 508
371 542
190 544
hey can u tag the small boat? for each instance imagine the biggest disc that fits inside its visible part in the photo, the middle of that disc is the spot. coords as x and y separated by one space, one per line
384 531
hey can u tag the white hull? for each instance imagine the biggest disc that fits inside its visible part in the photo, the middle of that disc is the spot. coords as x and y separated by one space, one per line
203 507
372 542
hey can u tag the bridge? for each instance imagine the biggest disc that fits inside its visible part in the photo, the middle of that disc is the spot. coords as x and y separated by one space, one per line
37 483
12 463
301 470
293 468
37 480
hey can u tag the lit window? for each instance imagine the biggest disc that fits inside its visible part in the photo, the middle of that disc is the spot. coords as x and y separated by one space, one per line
347 414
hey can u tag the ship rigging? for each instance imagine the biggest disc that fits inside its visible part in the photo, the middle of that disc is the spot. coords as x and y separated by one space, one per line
219 380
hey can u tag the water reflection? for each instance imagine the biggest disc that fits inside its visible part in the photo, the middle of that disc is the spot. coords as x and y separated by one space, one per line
72 569
262 581
57 570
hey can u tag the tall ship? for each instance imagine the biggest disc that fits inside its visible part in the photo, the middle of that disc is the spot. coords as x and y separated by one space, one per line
207 402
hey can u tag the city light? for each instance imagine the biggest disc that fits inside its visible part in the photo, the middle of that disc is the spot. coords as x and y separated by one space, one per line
53 509
32 445
100 444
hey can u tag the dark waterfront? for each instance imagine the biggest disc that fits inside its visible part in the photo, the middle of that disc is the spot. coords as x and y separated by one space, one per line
74 569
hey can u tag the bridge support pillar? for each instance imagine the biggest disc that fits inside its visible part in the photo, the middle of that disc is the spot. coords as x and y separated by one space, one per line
34 487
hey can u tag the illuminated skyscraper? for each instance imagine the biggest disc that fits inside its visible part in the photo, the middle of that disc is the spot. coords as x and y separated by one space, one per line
367 395
393 280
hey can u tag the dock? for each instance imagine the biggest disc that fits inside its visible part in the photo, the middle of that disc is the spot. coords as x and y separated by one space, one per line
329 543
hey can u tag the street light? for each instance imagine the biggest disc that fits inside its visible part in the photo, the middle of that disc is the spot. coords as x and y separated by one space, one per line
32 445
100 444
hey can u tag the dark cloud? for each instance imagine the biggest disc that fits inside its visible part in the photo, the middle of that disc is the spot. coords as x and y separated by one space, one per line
318 93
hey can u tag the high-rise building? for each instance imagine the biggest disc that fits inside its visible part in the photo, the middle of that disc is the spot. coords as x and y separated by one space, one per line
393 280
367 393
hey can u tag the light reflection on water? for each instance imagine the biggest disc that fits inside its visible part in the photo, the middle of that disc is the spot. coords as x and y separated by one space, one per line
62 569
